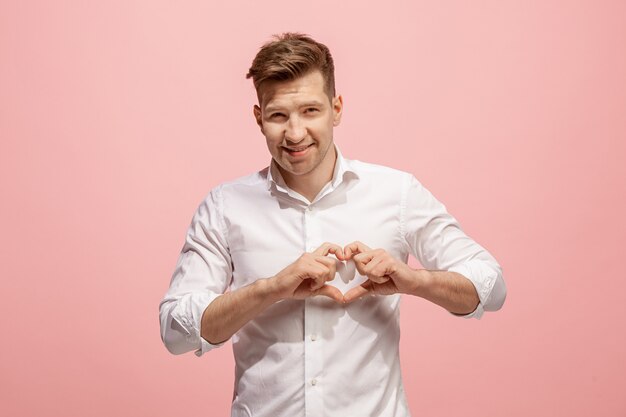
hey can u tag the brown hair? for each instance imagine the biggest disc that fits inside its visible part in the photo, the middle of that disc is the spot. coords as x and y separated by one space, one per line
292 55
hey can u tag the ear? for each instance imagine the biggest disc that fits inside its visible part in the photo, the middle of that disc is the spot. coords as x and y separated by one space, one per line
257 116
337 110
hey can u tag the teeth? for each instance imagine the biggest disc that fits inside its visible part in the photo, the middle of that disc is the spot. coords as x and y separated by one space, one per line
297 150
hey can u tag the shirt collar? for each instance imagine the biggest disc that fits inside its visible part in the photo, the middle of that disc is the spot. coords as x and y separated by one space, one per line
342 166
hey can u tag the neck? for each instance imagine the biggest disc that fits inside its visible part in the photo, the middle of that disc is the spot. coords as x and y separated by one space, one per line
311 183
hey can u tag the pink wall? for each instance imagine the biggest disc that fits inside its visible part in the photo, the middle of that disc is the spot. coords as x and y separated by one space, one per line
117 117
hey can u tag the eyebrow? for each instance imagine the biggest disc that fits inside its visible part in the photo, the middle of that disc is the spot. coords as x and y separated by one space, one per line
314 103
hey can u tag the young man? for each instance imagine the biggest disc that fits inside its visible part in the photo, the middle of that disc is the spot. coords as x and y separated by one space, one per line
313 251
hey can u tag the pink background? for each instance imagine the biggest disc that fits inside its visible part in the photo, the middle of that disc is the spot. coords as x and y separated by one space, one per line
117 117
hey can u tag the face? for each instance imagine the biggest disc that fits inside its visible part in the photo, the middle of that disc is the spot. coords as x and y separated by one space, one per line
297 119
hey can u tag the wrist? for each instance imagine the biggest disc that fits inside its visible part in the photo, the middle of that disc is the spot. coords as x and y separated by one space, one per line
267 289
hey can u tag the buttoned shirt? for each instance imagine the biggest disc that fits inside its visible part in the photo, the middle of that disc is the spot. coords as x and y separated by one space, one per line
316 357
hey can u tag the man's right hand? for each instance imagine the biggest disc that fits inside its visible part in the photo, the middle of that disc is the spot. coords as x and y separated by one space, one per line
307 276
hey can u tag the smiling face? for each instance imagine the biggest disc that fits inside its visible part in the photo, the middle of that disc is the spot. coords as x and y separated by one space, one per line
297 118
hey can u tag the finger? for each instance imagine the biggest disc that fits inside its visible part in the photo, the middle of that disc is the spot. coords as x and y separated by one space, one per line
317 273
378 279
358 292
337 251
375 270
329 291
318 282
331 264
361 260
327 248
354 248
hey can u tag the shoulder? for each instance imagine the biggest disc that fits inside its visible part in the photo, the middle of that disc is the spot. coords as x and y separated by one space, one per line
380 173
238 189
243 183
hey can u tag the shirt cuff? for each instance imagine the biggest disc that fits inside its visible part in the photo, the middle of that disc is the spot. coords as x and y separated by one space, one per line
188 314
482 277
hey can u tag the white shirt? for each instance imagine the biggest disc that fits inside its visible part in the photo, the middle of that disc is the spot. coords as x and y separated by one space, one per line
316 357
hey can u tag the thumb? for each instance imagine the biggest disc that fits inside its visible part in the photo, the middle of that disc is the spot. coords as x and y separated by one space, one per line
329 291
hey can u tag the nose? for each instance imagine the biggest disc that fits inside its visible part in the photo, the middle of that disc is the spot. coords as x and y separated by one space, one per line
295 130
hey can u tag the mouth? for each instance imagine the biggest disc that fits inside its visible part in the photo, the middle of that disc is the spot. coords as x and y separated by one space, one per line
300 150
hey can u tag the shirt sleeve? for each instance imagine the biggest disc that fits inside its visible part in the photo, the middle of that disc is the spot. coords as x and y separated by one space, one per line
203 272
436 239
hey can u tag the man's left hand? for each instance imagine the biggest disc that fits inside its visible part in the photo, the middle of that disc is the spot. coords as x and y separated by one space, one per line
386 274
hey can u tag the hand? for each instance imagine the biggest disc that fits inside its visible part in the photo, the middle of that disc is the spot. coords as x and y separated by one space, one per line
386 274
307 276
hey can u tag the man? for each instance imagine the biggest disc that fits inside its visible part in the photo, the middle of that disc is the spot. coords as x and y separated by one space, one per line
313 251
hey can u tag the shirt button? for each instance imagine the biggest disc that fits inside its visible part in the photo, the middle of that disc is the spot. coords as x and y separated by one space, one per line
314 382
314 337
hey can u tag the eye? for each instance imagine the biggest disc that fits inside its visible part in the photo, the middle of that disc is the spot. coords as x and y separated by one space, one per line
311 110
276 115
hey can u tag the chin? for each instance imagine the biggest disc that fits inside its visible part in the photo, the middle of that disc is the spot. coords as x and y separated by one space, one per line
297 171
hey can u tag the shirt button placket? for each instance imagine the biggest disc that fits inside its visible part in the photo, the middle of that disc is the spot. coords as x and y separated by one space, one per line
312 347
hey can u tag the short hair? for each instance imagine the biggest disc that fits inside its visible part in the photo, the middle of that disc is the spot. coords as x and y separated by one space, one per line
289 56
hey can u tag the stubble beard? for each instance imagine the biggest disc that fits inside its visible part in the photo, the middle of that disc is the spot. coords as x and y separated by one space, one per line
315 165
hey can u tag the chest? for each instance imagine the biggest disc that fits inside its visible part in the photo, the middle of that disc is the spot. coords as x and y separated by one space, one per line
265 238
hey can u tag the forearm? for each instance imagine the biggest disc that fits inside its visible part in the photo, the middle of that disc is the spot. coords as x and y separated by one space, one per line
450 290
230 311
